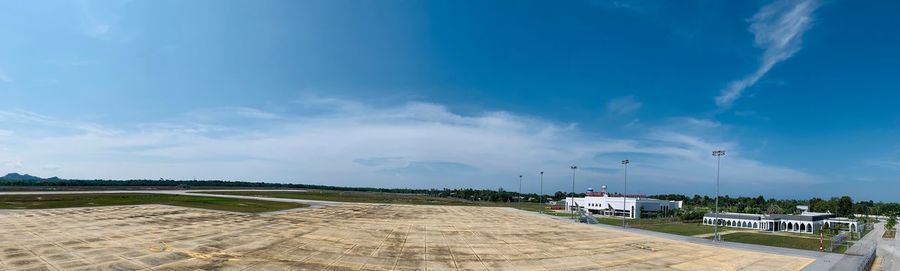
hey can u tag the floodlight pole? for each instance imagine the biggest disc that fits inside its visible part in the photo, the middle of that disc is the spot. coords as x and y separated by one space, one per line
542 192
573 191
718 154
520 193
625 195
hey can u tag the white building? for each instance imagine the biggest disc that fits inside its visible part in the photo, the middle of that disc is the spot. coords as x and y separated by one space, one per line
805 222
617 205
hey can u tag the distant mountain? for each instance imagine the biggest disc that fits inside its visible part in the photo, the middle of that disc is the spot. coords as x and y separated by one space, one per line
24 177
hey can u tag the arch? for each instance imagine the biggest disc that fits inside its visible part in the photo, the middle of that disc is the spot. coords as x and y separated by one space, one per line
796 226
852 227
728 223
755 225
809 227
803 227
790 226
783 226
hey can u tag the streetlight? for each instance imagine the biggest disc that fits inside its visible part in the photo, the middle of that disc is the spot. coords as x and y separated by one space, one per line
520 193
718 154
573 167
625 196
542 192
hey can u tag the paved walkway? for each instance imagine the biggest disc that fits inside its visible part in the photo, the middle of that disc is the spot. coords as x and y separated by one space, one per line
887 250
720 233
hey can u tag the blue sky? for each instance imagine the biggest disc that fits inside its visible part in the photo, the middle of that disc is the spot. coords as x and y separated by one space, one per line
801 93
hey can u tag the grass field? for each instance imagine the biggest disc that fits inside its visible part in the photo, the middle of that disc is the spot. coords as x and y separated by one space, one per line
687 229
777 241
387 198
88 200
660 225
350 196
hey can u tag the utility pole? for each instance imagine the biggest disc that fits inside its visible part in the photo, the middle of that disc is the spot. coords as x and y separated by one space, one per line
718 154
542 192
519 203
625 196
573 191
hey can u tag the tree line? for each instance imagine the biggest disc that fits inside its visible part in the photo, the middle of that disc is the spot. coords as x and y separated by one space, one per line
841 206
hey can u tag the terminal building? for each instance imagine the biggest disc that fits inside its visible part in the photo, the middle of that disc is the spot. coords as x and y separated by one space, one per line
805 222
631 206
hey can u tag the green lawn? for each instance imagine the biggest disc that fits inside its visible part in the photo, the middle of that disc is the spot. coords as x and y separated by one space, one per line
777 240
687 229
87 200
559 214
351 196
660 225
387 198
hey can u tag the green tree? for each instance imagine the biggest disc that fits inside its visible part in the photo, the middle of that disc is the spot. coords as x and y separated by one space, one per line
815 205
774 209
892 221
844 206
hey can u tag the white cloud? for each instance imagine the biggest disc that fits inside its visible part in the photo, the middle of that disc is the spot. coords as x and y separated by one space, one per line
35 120
92 23
255 113
778 29
890 164
23 116
623 106
410 145
5 78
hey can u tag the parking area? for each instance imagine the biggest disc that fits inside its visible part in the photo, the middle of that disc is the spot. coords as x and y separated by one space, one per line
344 237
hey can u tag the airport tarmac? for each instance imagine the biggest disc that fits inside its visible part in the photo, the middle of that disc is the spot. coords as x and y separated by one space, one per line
344 237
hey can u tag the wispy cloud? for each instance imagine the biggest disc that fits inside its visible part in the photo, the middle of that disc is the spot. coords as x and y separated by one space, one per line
93 25
778 29
5 77
623 106
408 145
890 164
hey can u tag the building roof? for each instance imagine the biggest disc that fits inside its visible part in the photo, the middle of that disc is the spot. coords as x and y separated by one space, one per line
807 217
804 217
735 216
